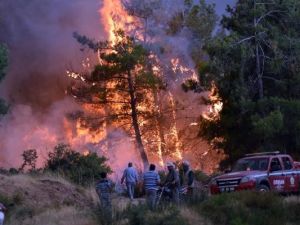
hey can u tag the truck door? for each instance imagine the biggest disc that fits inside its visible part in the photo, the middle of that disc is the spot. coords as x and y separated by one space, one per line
276 176
291 178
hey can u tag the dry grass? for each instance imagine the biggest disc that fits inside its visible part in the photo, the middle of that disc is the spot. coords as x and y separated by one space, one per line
193 217
47 200
64 216
292 199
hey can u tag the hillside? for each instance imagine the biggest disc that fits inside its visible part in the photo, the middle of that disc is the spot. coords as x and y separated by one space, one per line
50 200
46 200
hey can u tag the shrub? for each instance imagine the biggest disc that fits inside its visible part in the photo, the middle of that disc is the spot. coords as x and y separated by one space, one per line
141 215
201 177
80 169
29 159
245 208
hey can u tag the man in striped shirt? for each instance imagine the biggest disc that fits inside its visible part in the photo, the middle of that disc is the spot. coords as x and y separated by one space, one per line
151 184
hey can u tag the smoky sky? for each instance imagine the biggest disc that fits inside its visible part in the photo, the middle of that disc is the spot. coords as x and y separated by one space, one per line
39 37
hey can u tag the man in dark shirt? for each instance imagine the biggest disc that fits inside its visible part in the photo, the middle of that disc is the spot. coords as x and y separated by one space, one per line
104 188
187 178
173 182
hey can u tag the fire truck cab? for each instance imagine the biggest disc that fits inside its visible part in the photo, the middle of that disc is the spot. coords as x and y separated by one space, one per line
269 171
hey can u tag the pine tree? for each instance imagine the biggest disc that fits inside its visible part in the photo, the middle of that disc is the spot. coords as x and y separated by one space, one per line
255 67
121 83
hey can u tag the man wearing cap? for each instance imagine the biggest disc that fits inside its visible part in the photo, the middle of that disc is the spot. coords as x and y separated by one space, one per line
130 176
187 178
173 182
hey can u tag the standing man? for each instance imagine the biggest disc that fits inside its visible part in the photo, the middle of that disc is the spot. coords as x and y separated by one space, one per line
131 178
151 181
173 182
104 189
187 179
2 216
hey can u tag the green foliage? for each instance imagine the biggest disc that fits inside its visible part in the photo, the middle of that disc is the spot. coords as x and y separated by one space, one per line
78 168
249 208
200 20
255 67
269 125
141 215
201 177
175 24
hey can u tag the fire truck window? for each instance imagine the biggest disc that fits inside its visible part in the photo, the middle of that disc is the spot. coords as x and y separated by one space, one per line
287 163
275 165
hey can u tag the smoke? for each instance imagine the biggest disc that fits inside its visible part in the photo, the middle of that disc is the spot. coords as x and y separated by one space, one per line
39 37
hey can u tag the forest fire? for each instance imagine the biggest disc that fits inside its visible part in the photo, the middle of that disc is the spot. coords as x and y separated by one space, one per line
167 117
161 133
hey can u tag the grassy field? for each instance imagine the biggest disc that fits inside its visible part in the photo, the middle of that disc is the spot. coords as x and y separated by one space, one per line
51 200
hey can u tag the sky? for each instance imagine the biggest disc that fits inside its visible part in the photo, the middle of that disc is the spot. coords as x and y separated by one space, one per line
221 5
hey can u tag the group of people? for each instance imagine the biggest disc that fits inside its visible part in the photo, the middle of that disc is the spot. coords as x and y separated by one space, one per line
174 181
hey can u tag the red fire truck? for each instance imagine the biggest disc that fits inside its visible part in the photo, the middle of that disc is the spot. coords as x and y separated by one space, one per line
268 171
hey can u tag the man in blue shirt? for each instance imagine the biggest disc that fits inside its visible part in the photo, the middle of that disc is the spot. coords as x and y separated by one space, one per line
131 178
151 184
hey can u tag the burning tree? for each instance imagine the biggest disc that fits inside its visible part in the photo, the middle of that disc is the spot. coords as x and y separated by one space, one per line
121 84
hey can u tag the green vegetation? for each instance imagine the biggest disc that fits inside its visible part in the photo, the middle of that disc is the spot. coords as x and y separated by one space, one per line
254 69
81 169
250 208
141 215
200 19
44 199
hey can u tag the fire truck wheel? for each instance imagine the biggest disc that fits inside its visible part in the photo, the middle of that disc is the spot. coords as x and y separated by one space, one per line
263 188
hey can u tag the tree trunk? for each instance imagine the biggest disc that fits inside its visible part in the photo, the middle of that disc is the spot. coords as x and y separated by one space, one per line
258 74
134 117
161 135
258 64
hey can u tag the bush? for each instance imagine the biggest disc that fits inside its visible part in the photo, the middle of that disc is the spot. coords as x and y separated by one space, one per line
141 215
201 177
80 169
244 208
29 159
